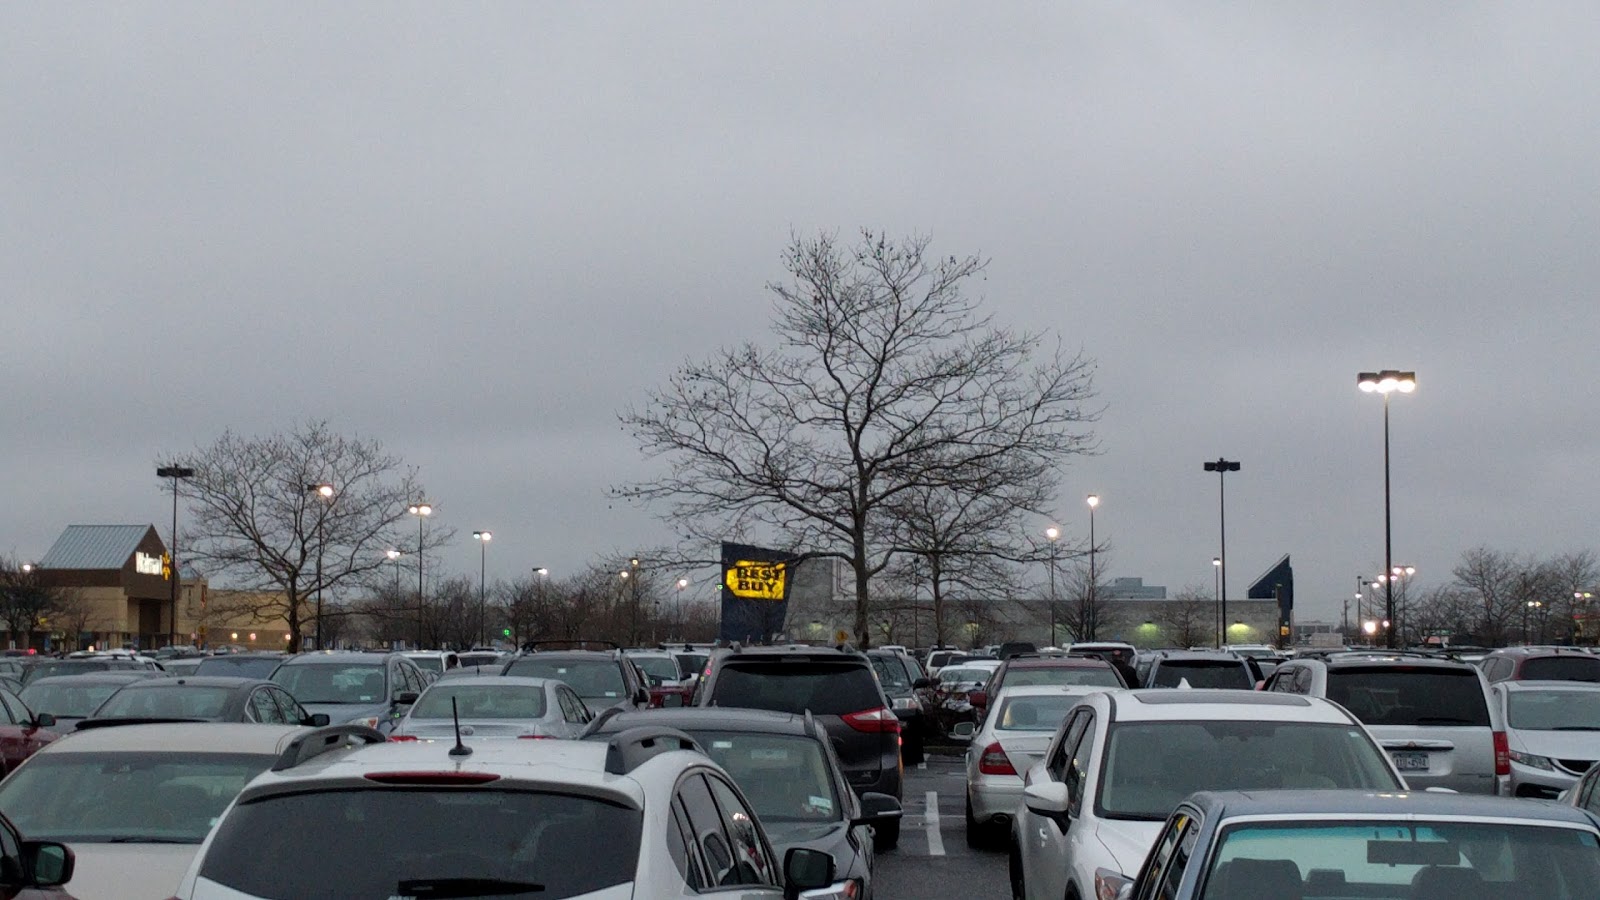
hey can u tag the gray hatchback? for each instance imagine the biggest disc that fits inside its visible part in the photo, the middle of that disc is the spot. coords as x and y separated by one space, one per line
371 689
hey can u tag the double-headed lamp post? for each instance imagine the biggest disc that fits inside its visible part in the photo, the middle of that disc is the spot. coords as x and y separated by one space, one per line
176 473
1052 534
1094 612
323 492
422 511
483 538
1387 382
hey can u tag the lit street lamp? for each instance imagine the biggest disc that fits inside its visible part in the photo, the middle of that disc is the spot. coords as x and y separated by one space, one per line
1222 467
1216 598
1387 382
483 538
325 492
422 511
175 473
394 557
1094 613
1052 534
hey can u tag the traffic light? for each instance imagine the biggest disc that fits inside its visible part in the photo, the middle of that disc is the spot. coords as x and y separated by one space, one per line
505 632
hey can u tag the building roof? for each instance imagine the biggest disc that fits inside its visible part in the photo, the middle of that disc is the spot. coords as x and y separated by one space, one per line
95 546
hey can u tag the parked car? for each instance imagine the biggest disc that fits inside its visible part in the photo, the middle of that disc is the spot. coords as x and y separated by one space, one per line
1123 760
71 698
134 802
495 706
45 668
952 692
1540 664
1201 669
1269 845
644 815
480 657
668 682
1007 744
840 689
32 870
371 689
241 665
1552 733
1043 668
23 732
601 677
203 699
938 658
433 663
786 766
910 693
1433 716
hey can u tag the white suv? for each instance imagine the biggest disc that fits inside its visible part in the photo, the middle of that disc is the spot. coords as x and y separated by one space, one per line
1120 763
643 815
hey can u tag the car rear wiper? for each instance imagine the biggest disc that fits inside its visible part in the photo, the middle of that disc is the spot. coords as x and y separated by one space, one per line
441 888
1442 720
1577 728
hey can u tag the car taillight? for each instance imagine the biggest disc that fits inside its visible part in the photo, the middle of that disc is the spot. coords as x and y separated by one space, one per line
402 737
1502 754
995 762
879 720
534 737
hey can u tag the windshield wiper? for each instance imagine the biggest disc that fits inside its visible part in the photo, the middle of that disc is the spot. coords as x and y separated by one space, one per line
440 888
1576 728
148 840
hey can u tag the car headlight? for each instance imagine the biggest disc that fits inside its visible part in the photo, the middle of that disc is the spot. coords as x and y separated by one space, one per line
1529 759
369 721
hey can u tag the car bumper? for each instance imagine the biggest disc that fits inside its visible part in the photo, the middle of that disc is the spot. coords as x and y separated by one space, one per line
1528 781
994 795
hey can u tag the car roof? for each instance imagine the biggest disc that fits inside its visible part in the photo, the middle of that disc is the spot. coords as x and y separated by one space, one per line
716 718
496 680
609 655
1549 685
1050 690
178 737
1199 655
1386 803
226 681
1184 704
827 654
114 676
1379 660
347 657
1056 662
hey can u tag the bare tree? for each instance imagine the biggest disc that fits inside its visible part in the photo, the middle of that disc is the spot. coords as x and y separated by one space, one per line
886 379
24 602
74 615
255 518
1189 619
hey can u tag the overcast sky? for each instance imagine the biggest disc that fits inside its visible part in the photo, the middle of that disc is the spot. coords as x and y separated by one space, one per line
477 231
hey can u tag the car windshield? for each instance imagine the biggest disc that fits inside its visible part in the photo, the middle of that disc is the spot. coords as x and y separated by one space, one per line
1570 667
1404 858
1093 676
792 686
591 679
481 701
1203 673
349 683
694 663
73 667
166 702
785 777
1553 710
1043 713
428 663
659 668
940 660
1149 767
964 675
63 698
239 666
1410 695
167 796
892 673
412 842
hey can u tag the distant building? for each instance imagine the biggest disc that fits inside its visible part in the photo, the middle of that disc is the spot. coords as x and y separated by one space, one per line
1131 589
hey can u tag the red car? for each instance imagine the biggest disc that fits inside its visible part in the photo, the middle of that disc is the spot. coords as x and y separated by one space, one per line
21 732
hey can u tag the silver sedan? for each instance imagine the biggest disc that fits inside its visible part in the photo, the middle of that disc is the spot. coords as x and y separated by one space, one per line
495 706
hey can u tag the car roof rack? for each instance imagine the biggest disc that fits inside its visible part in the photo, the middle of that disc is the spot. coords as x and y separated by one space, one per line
627 750
318 741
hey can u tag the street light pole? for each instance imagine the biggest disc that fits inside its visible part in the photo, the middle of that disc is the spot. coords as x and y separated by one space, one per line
394 557
325 492
1387 382
1052 533
1094 611
422 511
175 473
1216 599
483 538
1222 467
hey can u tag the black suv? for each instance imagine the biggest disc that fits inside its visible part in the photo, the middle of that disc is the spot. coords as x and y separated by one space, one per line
908 692
841 690
602 678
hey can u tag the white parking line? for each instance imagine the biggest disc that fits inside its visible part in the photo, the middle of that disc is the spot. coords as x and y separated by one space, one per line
930 819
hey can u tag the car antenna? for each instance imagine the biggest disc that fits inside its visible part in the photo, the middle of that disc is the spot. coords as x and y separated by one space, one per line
459 749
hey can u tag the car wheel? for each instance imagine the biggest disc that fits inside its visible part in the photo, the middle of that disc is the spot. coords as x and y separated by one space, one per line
886 837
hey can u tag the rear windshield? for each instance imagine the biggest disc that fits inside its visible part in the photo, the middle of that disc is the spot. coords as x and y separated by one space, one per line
428 663
189 702
412 842
1561 668
785 777
248 667
828 689
63 698
1407 695
591 679
480 701
73 667
1035 713
1553 710
334 682
1096 677
940 660
1203 673
892 673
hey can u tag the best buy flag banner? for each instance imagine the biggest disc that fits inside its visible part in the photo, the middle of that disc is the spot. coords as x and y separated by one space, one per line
755 585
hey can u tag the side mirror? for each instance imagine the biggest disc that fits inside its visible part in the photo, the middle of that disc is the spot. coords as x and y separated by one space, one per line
978 698
44 720
963 731
875 808
642 696
316 720
672 699
922 683
405 698
51 863
1050 799
805 869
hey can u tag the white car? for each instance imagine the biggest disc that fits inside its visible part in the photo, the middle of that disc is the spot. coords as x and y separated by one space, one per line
494 706
1123 760
1013 736
1552 733
641 816
133 802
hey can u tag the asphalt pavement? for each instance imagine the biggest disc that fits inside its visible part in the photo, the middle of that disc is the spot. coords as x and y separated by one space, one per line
933 861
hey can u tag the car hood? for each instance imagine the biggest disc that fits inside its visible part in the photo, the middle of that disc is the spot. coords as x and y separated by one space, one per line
129 871
1558 744
1126 842
829 837
435 728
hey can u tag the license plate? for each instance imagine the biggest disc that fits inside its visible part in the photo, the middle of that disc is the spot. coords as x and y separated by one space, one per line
1410 762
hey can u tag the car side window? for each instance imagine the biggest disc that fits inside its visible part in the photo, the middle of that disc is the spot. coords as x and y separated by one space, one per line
12 709
265 708
1078 765
571 707
1592 801
1172 879
1302 680
754 865
1057 764
1154 870
706 831
681 849
293 713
